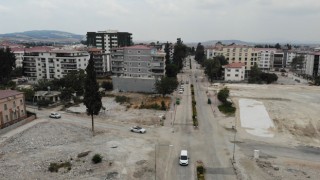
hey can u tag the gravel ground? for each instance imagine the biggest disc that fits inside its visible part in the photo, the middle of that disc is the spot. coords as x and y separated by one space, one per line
28 155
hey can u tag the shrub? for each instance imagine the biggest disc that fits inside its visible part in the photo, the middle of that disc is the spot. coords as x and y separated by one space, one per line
44 103
122 99
163 106
54 167
227 108
97 158
194 103
107 85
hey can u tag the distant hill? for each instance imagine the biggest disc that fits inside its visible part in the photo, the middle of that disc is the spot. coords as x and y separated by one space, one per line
42 36
213 42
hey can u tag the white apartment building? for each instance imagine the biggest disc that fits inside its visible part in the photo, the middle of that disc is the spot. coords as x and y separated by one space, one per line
264 57
18 52
234 72
312 65
49 63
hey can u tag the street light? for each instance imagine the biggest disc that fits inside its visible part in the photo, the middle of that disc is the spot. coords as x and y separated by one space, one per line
155 157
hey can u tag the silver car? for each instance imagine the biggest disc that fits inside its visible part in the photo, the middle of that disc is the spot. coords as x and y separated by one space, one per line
137 129
55 115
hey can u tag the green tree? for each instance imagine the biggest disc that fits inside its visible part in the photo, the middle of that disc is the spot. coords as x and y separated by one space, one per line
166 85
7 64
255 73
212 68
28 94
297 63
167 51
17 72
107 85
171 70
92 97
180 53
66 94
199 54
223 95
277 46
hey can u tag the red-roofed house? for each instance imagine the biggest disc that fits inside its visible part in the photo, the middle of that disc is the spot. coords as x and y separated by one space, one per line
234 72
12 107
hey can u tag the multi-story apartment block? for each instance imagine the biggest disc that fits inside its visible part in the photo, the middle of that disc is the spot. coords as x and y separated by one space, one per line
12 107
240 53
312 67
101 61
278 60
265 57
18 52
106 40
49 63
136 68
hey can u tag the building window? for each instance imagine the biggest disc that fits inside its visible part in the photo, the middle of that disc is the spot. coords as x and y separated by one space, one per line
237 70
228 75
139 52
22 112
5 107
21 102
139 70
228 70
139 64
236 75
7 119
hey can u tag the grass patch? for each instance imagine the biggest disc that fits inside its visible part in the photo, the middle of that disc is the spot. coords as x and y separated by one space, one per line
54 167
122 99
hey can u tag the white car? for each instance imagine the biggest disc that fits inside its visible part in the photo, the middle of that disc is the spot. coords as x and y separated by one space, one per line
183 158
55 115
180 91
138 129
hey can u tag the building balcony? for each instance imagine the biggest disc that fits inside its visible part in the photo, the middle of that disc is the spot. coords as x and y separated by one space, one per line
31 54
69 67
117 70
158 67
117 65
29 60
30 70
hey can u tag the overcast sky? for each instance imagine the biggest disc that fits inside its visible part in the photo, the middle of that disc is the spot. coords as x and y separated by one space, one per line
192 20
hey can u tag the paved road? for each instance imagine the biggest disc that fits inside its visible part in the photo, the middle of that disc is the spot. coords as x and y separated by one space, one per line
207 143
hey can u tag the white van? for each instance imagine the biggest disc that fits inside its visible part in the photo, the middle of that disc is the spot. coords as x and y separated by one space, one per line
184 159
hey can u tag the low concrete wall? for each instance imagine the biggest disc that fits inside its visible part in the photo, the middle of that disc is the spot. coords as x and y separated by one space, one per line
133 84
18 124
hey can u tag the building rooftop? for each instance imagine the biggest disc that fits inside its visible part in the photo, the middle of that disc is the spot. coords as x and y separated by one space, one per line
8 93
235 65
137 47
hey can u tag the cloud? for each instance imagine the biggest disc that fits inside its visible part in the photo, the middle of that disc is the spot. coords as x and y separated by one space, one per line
4 9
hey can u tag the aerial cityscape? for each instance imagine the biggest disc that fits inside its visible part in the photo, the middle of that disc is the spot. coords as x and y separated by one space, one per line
160 90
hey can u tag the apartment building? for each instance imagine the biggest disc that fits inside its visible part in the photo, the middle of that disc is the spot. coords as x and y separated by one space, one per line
278 60
264 57
136 68
106 40
234 72
49 63
101 61
312 67
12 107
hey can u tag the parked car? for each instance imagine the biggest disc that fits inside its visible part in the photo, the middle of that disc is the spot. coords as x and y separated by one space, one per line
138 129
183 158
55 115
180 91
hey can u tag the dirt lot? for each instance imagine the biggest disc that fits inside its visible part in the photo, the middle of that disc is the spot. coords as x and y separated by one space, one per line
126 155
294 110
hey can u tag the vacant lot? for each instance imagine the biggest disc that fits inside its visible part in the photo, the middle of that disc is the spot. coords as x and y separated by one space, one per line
126 155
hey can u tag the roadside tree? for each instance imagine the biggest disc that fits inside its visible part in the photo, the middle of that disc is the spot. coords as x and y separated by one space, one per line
92 97
166 85
7 64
